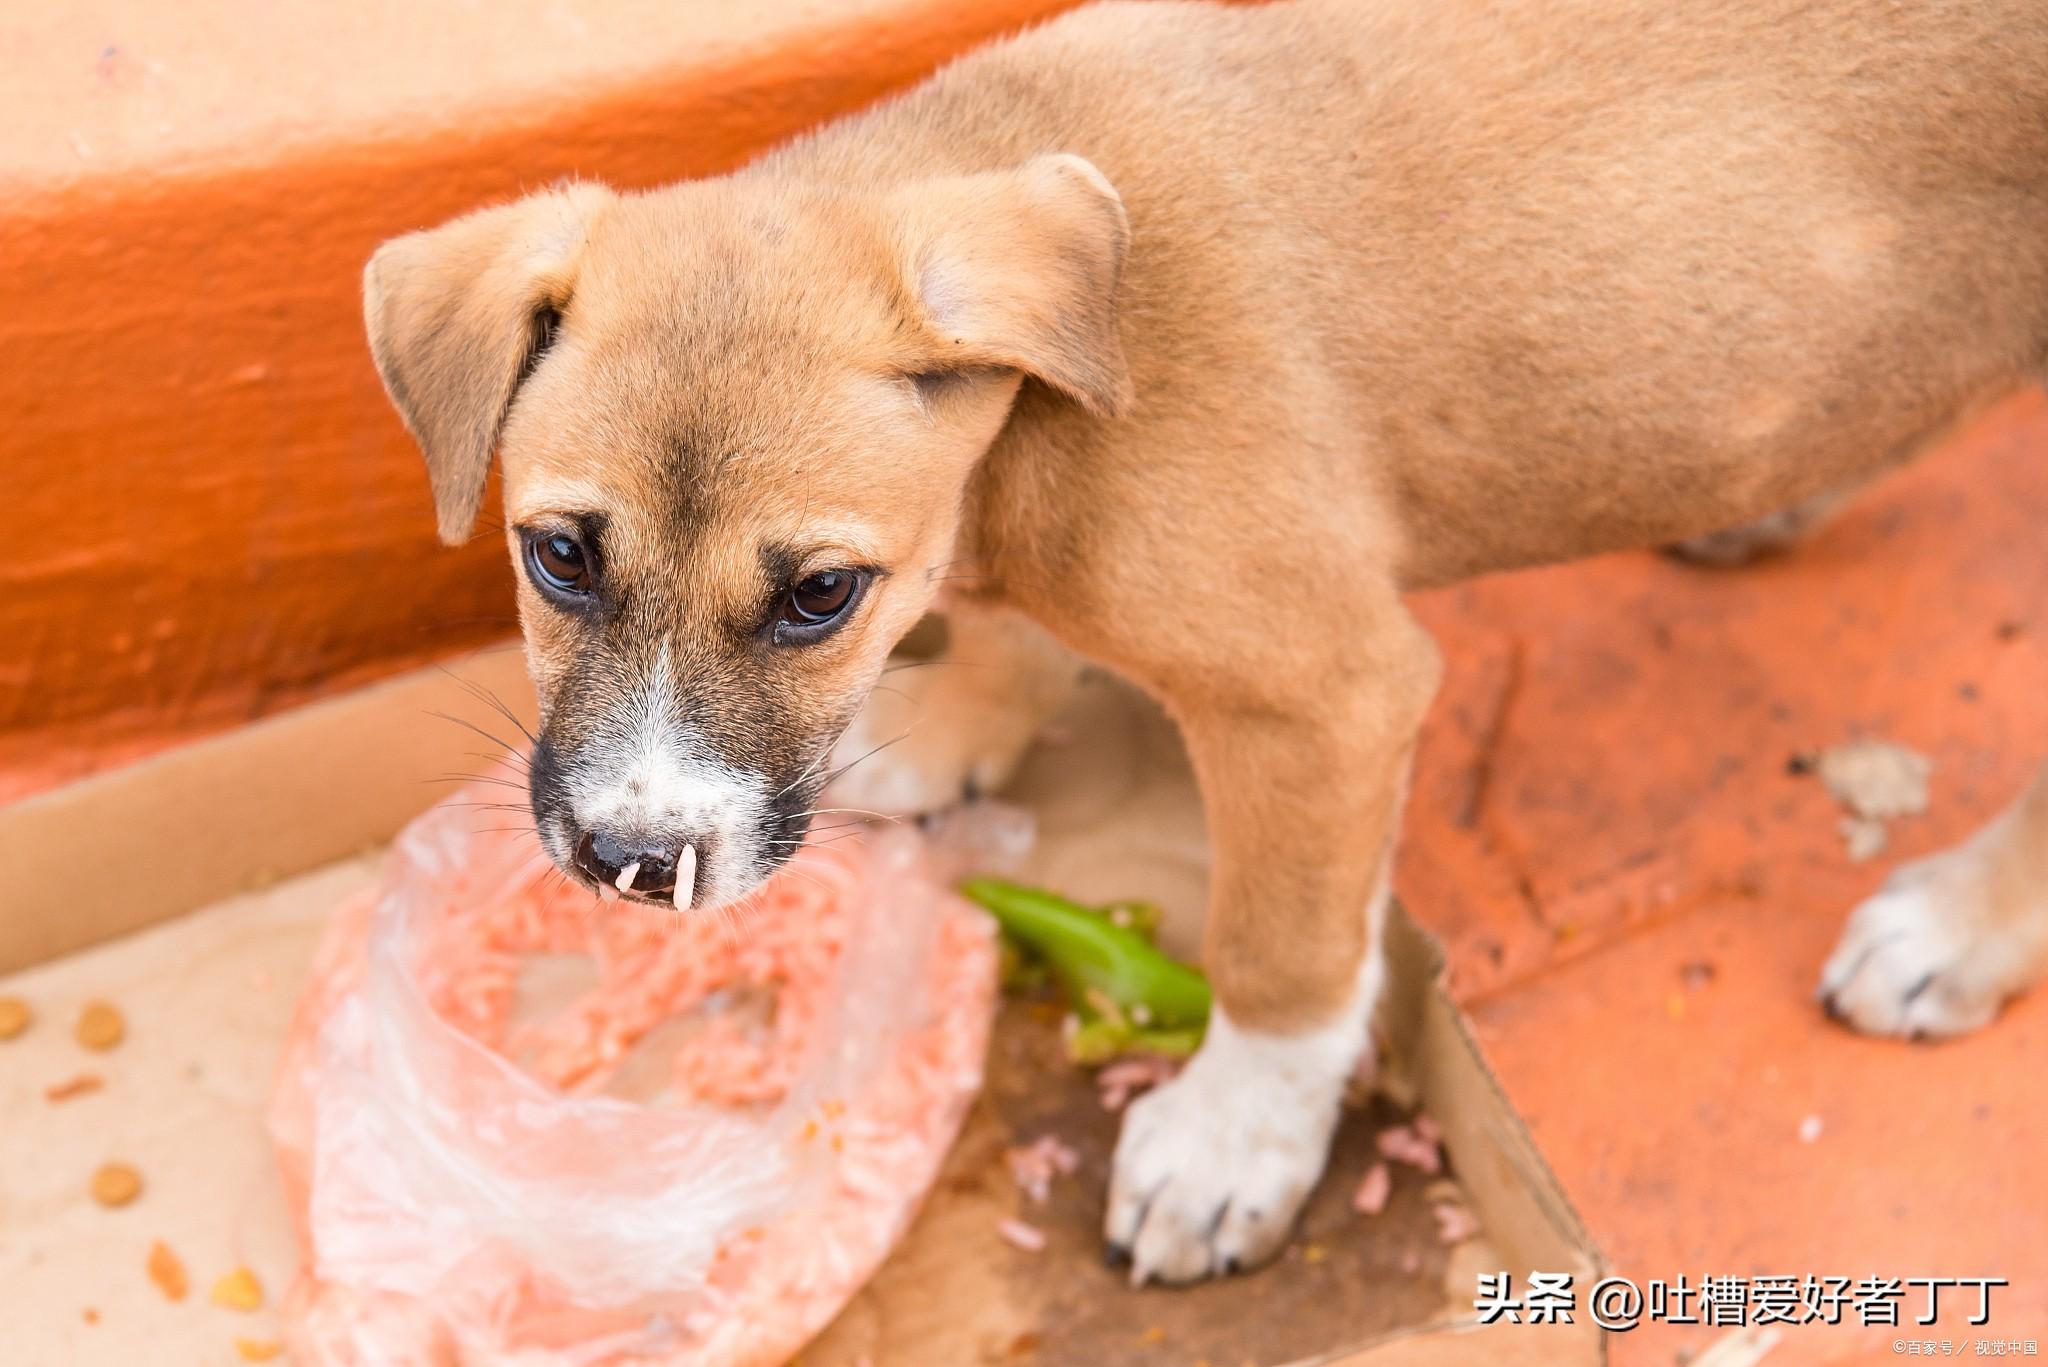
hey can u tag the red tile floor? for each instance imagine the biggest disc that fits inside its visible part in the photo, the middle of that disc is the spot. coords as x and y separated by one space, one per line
1637 895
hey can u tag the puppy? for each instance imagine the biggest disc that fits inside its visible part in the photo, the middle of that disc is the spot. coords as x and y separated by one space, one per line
1186 338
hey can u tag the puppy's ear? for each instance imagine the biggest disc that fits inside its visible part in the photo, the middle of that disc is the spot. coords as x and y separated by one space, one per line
458 316
1018 270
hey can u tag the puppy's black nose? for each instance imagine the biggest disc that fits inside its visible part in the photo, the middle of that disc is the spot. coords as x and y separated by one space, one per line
633 863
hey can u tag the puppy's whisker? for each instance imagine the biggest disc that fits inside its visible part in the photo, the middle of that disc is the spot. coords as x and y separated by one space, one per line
809 769
471 726
492 779
843 769
861 812
493 701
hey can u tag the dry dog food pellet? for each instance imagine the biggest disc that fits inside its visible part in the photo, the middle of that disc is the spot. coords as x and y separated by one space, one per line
239 1290
167 1271
100 1026
116 1184
14 1017
258 1350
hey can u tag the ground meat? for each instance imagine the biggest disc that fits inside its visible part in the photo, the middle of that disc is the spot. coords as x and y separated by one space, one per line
756 1007
1373 1190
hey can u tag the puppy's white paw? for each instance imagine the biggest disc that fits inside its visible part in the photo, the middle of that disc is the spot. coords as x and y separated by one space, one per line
1938 949
1212 1167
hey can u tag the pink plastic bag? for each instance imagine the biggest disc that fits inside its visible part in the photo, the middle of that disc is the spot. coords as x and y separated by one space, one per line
520 1126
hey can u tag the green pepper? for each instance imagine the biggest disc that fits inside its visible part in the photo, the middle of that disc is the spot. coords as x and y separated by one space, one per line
1127 996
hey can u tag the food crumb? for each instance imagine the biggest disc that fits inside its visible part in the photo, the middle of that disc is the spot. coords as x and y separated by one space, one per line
1372 1193
1154 1334
1455 1224
15 1017
1875 779
1034 1165
71 1087
1120 1080
257 1350
239 1290
116 1184
100 1026
1415 1144
1019 1234
1864 837
167 1271
1314 1253
1809 1129
89 1315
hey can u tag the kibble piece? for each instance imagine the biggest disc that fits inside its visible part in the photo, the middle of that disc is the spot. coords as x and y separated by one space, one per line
239 1290
116 1184
14 1017
258 1350
167 1270
100 1026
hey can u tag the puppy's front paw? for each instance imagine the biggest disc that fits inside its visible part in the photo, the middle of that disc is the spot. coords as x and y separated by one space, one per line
924 744
1212 1167
1936 951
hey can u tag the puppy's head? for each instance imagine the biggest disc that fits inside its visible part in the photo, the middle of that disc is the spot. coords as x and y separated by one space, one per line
735 420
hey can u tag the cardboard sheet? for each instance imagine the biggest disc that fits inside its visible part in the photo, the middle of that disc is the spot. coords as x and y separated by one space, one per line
208 995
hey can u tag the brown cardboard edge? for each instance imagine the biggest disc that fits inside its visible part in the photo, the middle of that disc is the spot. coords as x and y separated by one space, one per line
1523 1209
122 850
1535 1218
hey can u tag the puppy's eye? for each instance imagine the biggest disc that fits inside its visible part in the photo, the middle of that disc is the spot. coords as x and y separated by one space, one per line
815 606
560 563
819 598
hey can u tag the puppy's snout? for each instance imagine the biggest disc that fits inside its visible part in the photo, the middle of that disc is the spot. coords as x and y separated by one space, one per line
635 863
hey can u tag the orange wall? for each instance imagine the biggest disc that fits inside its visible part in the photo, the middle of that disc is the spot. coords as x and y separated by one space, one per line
214 512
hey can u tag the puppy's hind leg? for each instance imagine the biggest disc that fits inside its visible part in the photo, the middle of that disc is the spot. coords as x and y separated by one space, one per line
1950 937
953 725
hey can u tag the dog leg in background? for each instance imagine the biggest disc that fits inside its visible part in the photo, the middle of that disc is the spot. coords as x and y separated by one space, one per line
1302 791
1949 937
952 726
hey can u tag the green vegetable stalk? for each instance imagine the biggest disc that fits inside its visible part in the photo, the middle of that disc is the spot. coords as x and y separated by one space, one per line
1127 996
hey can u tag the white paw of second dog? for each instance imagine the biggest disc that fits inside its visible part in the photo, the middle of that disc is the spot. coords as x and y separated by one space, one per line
1212 1167
1936 951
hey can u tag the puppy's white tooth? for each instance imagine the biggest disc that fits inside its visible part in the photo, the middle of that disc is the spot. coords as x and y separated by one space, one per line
624 882
608 892
686 875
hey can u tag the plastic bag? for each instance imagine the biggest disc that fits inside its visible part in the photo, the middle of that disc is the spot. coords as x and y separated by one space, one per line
520 1126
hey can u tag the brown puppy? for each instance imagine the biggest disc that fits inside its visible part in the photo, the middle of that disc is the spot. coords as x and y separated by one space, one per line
1195 336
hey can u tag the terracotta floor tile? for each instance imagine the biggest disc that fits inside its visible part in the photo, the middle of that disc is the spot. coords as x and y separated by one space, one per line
1603 799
